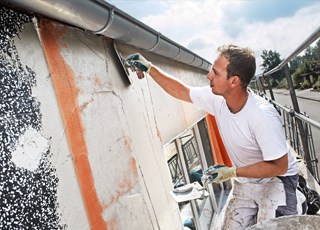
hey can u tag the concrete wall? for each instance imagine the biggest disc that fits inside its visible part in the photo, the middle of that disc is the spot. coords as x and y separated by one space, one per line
81 146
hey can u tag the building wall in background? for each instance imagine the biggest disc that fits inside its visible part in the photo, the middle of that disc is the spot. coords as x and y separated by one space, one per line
80 144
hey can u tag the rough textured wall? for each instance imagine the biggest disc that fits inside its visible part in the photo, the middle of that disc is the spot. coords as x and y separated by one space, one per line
81 147
28 181
64 117
95 127
170 116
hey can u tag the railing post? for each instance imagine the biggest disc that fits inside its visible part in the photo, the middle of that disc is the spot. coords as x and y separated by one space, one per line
303 133
185 170
270 88
262 84
204 165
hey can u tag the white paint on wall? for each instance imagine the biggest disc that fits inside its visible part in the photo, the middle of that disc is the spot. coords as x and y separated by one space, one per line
121 122
29 150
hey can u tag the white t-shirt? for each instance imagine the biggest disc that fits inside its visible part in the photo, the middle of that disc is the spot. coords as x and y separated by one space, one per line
252 135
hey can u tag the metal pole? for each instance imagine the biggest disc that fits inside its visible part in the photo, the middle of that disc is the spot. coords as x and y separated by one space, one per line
186 176
204 165
270 88
303 133
262 83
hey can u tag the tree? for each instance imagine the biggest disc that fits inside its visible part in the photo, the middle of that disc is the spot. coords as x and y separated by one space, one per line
308 54
297 76
295 63
316 51
307 65
271 59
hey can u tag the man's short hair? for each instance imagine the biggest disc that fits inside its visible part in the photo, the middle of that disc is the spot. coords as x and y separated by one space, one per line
242 62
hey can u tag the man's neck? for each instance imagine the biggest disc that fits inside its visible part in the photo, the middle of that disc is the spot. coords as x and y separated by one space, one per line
237 101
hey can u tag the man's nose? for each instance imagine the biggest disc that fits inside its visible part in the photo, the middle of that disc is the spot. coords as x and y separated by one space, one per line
209 75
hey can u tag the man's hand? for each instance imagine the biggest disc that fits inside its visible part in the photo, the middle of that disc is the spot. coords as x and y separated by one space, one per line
138 61
220 173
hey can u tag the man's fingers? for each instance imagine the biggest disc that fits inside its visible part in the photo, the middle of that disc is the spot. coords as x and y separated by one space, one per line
139 73
213 169
211 179
138 61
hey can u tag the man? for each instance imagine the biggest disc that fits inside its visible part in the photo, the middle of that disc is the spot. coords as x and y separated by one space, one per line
264 170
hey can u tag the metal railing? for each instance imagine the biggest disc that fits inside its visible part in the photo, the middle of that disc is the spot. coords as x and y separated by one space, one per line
290 122
297 125
190 152
175 169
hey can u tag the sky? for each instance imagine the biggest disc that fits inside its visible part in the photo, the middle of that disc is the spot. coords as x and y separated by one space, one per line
203 25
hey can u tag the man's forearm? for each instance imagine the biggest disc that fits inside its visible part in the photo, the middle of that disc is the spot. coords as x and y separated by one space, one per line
170 84
265 169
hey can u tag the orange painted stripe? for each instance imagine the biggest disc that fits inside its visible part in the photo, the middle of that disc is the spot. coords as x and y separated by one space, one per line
126 183
66 92
219 152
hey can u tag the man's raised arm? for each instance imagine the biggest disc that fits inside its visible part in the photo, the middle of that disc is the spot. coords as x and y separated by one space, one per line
170 84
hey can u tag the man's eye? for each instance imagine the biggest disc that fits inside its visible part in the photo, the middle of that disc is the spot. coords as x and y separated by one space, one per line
215 72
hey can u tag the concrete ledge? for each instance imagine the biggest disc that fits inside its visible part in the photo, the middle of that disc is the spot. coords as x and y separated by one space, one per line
306 222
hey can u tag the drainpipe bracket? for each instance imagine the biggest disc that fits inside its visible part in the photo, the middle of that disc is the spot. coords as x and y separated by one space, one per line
155 45
109 22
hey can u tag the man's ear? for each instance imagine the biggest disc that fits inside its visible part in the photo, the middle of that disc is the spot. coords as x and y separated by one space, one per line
235 81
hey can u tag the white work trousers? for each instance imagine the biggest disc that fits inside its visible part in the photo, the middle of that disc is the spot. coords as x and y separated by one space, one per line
249 203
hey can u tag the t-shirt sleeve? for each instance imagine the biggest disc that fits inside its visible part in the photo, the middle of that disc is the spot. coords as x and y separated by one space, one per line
271 138
203 98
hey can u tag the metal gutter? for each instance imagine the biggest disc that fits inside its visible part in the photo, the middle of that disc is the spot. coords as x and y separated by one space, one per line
103 18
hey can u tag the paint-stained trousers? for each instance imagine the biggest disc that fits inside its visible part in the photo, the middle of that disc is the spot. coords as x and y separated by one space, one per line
249 203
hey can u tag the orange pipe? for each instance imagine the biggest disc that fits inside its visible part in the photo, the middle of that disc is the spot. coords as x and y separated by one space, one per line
219 152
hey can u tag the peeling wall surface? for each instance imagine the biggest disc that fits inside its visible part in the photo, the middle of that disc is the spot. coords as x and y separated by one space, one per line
81 145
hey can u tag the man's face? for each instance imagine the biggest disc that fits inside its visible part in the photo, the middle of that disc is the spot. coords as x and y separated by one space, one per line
217 76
